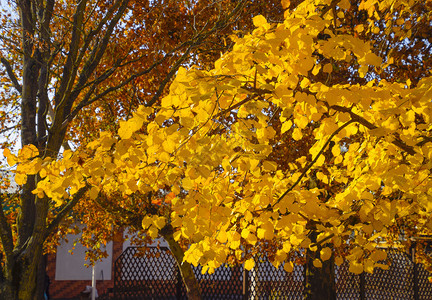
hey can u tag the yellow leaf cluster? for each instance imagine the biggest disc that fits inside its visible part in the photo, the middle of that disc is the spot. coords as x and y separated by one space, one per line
363 161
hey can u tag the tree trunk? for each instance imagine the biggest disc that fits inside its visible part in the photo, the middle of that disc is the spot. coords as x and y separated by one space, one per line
187 274
42 279
20 281
319 282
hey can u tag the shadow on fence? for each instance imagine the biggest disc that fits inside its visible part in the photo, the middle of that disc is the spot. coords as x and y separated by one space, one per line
153 274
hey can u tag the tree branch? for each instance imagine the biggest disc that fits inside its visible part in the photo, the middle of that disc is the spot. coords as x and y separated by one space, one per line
70 69
356 118
311 163
11 74
196 40
87 100
8 128
88 39
66 210
130 218
169 76
426 139
98 51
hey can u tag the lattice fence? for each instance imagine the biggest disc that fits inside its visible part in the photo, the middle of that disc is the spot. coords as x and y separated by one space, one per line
149 275
267 282
153 274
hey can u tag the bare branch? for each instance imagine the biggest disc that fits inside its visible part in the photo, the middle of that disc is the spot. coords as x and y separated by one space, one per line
8 128
219 25
69 69
89 38
98 51
193 42
87 100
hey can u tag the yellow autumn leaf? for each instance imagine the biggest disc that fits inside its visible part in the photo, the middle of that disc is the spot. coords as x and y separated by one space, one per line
129 127
378 255
363 70
336 150
30 167
325 253
245 233
328 68
20 178
359 28
317 263
159 222
286 126
269 166
252 239
153 232
320 161
169 145
27 152
249 264
222 236
11 159
355 267
297 134
94 192
187 183
146 222
373 59
259 21
289 266
316 69
285 3
368 265
339 260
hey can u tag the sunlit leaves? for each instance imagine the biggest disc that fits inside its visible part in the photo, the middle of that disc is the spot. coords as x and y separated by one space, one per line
11 159
127 128
354 160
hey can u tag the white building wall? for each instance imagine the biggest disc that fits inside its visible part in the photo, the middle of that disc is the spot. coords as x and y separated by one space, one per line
72 266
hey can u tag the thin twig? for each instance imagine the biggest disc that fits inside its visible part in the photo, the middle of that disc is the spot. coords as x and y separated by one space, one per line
311 163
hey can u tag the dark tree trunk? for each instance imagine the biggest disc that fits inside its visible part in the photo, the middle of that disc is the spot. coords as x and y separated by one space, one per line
42 280
319 282
187 274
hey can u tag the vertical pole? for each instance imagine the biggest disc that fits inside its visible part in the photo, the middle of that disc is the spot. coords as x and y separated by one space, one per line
93 291
415 275
362 286
245 284
179 284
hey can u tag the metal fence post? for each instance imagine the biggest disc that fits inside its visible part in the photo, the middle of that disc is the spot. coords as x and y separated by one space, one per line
179 284
415 275
245 284
362 286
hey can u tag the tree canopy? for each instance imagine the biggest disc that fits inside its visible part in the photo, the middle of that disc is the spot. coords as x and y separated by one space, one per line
70 69
311 133
354 166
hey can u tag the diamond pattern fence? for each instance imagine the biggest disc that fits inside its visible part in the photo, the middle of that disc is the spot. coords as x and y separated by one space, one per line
153 274
395 283
267 282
